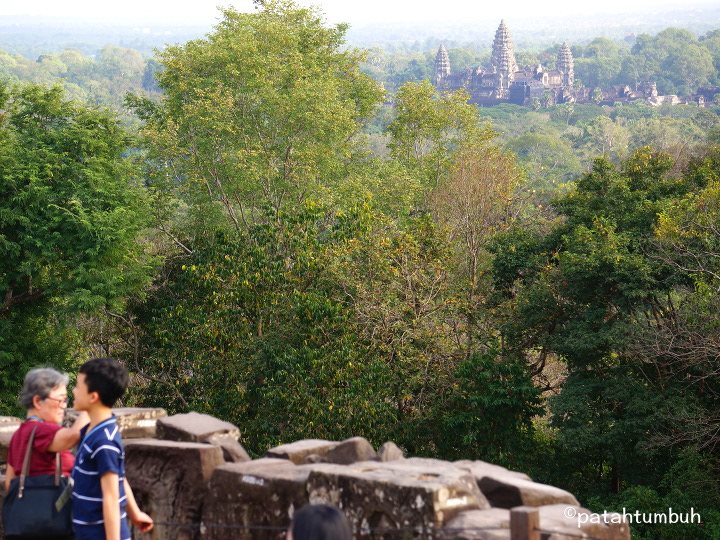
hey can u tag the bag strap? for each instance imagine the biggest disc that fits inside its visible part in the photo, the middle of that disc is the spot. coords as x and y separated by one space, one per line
26 462
58 469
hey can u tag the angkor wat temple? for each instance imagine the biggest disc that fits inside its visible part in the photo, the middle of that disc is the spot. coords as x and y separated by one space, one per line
503 81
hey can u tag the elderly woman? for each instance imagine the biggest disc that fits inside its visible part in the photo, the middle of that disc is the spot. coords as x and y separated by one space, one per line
44 395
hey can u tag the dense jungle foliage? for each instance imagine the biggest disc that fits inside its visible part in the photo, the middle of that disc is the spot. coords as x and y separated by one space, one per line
263 236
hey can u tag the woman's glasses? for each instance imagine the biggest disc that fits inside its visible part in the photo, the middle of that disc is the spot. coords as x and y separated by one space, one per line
60 401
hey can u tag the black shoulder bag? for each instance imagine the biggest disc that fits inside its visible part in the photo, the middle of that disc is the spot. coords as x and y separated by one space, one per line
37 506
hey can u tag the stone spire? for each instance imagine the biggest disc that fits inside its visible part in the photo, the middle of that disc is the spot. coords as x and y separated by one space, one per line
442 65
566 64
503 55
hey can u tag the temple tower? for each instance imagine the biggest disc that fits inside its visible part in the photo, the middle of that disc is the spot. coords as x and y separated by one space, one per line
503 55
566 64
442 65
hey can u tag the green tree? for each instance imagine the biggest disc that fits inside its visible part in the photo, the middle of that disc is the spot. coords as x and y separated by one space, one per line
674 58
603 293
605 137
262 112
429 127
71 211
488 412
477 201
264 189
599 62
328 324
549 159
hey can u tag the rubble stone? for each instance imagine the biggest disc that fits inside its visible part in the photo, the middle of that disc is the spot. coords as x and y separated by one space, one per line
138 422
8 426
507 492
169 480
418 498
390 451
134 422
203 428
481 469
490 524
263 493
299 450
351 451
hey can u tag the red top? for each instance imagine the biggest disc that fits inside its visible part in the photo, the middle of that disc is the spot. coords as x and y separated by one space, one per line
41 461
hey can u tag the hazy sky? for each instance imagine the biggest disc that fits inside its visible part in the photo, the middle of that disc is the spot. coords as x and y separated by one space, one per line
356 12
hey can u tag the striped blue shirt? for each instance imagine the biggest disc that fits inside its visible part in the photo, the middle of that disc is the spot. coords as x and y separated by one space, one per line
100 452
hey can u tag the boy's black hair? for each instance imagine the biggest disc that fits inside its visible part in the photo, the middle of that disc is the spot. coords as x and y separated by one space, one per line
107 377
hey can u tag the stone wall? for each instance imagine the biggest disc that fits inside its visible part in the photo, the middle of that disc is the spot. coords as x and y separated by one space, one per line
192 476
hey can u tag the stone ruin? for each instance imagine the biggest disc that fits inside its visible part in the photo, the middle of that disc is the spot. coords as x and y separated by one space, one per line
190 473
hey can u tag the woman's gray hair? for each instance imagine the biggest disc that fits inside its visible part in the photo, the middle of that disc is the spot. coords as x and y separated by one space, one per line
40 382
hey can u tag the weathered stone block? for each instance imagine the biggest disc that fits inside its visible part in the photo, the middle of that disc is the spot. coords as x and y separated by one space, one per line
203 428
390 451
194 427
8 426
233 451
481 469
134 422
138 422
263 493
297 451
507 492
416 499
169 480
351 451
491 524
554 519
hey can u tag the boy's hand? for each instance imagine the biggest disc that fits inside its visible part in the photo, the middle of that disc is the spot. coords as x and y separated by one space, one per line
143 522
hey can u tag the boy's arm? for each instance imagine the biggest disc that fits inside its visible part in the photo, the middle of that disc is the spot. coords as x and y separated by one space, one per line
111 505
139 518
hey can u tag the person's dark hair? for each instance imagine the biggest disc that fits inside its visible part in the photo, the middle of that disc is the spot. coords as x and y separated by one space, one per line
107 377
320 522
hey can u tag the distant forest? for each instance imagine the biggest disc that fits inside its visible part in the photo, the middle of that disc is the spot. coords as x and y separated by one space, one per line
310 241
554 144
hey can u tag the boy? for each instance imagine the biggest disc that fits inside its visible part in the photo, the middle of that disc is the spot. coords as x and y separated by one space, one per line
102 497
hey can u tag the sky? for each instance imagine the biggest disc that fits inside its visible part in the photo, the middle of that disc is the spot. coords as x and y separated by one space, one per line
355 12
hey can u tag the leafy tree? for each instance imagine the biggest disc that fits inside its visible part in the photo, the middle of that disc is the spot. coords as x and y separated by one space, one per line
488 412
598 63
667 134
674 58
606 138
462 59
549 159
71 211
429 127
711 41
608 290
259 150
262 112
327 324
477 201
